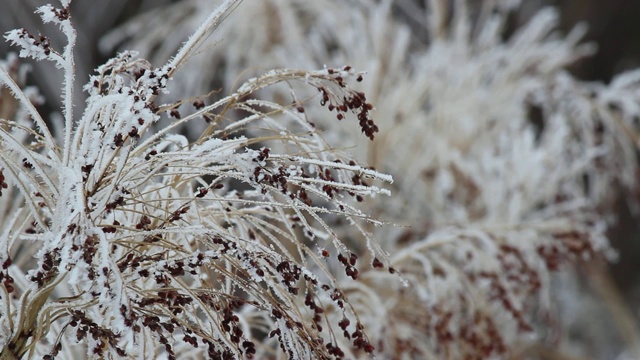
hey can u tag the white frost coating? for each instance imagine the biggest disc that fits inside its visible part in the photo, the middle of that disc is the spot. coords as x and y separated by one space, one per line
138 221
47 14
330 164
207 26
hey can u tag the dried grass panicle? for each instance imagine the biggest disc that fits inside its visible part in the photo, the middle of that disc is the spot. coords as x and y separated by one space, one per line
124 238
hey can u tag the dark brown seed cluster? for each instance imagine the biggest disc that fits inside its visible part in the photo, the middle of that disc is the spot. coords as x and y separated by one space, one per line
40 41
163 326
32 229
499 293
111 229
325 174
360 341
118 140
518 272
138 81
516 269
569 245
479 335
5 278
139 263
27 164
230 324
87 327
317 310
119 201
150 154
144 223
198 104
62 14
48 269
353 101
290 274
177 215
349 265
275 174
335 350
133 133
89 249
3 184
86 169
483 336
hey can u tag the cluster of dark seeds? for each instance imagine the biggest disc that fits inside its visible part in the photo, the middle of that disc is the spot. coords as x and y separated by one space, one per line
483 335
177 215
150 154
349 265
5 278
119 201
62 14
499 293
86 326
215 352
3 184
325 174
49 268
353 101
173 301
111 229
135 262
230 323
290 274
480 334
569 245
144 223
198 104
317 310
204 191
377 264
335 350
40 41
278 314
275 175
153 79
360 341
170 299
27 164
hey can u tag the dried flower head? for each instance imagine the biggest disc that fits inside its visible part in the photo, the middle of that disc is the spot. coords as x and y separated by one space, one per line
128 239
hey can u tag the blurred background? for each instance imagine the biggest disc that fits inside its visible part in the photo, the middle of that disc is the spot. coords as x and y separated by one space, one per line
613 26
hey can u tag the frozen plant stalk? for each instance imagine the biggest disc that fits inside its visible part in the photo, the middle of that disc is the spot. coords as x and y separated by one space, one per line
122 238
